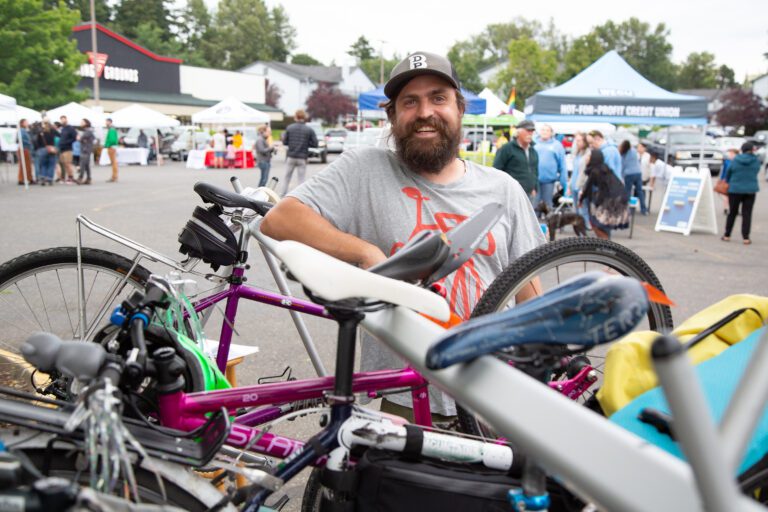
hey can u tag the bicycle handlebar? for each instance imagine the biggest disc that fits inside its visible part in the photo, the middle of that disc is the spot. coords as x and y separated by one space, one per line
46 352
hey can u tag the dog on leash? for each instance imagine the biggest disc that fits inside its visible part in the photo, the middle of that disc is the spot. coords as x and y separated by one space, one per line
560 218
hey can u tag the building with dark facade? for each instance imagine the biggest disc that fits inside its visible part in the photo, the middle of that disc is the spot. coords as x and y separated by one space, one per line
129 73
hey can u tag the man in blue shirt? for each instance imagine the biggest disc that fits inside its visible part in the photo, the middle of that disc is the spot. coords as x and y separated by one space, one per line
610 152
551 164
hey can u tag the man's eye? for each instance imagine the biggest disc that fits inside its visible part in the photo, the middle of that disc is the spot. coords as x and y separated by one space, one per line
439 99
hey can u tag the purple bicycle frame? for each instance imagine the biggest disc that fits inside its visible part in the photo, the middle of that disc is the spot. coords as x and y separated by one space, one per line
233 294
186 411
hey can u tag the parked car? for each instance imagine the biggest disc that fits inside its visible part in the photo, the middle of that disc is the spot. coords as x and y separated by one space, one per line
187 139
473 137
334 140
321 151
620 136
685 149
726 143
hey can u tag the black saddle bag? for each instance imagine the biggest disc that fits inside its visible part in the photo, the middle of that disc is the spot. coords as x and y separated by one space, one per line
390 482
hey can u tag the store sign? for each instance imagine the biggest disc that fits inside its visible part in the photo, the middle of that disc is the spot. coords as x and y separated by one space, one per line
97 67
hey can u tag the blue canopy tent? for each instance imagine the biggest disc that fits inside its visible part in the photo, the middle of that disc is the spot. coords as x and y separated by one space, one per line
370 101
611 91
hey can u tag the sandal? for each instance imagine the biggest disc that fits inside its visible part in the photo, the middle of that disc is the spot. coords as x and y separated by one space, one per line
725 238
747 242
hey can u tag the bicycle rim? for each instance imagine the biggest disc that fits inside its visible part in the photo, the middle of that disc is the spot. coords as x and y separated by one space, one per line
39 292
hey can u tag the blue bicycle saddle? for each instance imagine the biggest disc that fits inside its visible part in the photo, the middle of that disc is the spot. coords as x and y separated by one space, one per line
588 310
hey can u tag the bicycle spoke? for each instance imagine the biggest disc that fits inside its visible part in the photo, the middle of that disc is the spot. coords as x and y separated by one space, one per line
42 299
64 300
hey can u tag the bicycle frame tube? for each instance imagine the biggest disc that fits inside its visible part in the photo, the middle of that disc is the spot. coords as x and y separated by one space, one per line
186 411
615 468
233 294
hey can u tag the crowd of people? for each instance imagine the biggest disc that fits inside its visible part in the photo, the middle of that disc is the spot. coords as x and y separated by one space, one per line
51 152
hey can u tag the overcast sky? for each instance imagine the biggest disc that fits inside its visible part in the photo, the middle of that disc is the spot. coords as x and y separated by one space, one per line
736 32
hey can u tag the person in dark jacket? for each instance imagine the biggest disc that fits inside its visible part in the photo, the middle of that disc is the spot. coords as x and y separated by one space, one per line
25 151
87 140
46 141
519 159
298 138
608 201
67 138
742 189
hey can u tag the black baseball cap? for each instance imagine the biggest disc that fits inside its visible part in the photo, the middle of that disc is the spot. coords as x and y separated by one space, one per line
419 63
526 125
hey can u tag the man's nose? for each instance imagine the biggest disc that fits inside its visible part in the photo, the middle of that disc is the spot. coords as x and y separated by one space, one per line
425 110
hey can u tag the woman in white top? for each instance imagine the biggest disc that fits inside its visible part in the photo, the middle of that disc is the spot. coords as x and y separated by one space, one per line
645 161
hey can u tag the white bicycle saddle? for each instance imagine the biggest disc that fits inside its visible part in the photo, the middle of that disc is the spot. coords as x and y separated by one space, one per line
334 280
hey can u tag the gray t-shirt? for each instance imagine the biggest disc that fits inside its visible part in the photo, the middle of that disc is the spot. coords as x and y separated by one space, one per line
370 194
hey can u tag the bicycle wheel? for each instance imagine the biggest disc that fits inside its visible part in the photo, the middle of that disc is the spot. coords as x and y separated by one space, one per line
183 488
39 292
554 263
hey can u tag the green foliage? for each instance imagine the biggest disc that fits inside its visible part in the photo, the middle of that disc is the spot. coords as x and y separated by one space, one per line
361 49
245 31
726 78
584 51
131 14
150 36
305 59
530 68
38 61
468 60
192 23
698 72
372 68
102 9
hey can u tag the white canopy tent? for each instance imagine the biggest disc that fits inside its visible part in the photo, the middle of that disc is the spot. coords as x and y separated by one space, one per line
230 111
137 116
494 106
12 117
75 114
8 107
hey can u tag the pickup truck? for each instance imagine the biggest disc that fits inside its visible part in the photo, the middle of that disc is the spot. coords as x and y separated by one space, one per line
685 149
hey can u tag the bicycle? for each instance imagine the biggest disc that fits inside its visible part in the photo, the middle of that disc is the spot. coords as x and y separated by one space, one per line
54 449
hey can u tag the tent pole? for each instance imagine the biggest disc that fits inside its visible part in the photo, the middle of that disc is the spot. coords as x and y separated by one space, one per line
666 147
157 148
485 134
701 150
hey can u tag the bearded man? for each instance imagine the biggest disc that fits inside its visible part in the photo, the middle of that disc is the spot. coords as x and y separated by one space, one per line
367 204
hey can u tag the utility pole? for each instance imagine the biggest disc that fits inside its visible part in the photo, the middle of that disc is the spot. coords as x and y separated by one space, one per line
95 52
381 62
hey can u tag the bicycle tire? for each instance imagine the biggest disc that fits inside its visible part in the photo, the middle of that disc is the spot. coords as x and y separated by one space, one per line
182 489
587 253
38 292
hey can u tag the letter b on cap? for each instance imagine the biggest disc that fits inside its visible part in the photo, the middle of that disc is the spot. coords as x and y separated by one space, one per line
418 61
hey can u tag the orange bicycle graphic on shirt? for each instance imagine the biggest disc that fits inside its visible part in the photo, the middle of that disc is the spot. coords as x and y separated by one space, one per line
466 278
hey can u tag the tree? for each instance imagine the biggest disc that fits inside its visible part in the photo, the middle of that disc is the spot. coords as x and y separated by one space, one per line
372 67
102 9
192 24
150 36
726 78
130 14
305 59
245 31
645 49
38 60
530 69
328 103
361 49
742 107
272 95
468 60
697 72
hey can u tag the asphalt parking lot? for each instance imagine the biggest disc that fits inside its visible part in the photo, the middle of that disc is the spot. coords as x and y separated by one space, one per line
151 204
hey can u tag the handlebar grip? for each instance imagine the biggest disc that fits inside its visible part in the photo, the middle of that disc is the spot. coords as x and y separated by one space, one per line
236 184
82 360
41 350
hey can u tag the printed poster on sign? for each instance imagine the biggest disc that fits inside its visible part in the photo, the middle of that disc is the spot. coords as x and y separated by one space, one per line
688 203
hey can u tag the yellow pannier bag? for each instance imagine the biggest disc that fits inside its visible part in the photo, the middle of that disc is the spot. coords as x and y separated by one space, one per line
628 369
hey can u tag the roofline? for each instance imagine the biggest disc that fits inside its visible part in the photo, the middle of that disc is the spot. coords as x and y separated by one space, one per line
124 40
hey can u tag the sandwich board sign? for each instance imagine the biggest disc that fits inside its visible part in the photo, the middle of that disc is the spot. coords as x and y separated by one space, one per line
689 203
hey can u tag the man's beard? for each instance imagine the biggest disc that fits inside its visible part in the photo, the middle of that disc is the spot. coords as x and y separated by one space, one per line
426 155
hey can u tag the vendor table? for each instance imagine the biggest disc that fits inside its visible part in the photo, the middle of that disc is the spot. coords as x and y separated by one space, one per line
200 158
126 156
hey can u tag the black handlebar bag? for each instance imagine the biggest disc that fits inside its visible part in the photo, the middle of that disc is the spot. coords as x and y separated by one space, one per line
391 482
